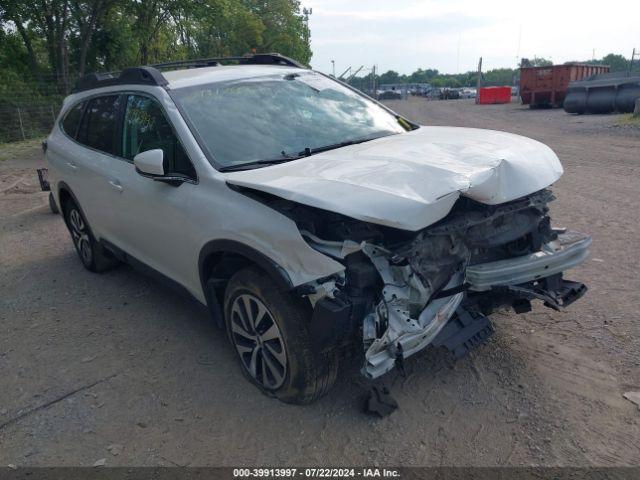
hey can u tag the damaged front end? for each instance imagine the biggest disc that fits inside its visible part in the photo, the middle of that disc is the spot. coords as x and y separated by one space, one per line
401 291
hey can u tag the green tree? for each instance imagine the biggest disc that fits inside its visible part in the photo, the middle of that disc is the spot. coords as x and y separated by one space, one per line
55 42
536 62
618 63
390 77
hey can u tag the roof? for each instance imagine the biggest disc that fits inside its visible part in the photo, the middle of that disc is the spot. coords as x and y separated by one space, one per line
198 76
193 72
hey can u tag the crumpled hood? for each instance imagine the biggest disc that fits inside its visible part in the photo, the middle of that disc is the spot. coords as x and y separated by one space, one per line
411 180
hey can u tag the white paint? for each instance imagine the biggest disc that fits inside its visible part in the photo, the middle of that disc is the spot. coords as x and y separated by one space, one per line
412 180
150 162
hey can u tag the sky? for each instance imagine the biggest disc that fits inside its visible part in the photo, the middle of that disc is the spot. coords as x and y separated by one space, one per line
451 35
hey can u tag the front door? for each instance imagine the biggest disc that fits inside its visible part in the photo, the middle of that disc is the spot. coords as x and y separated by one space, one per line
151 216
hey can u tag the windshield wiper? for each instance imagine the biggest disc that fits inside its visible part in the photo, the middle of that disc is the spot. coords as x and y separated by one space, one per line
304 153
310 151
258 163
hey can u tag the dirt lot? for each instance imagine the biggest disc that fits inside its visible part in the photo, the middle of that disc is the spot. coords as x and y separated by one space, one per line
115 366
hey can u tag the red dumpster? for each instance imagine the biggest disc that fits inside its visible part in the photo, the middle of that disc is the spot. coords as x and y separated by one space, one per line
488 95
547 86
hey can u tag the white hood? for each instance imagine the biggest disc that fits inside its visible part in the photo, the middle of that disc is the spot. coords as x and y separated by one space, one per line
411 180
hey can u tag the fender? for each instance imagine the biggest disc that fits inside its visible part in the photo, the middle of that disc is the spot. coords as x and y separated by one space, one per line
275 271
62 186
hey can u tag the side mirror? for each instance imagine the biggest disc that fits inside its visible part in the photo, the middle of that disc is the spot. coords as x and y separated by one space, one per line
150 162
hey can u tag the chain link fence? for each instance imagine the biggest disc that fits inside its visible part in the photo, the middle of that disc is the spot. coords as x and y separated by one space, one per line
26 121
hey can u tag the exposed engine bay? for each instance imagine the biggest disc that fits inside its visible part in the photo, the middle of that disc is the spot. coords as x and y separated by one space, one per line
402 290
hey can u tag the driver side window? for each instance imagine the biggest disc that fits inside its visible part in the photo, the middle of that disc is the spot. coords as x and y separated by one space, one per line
146 128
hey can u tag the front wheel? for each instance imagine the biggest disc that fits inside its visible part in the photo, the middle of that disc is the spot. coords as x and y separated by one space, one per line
269 330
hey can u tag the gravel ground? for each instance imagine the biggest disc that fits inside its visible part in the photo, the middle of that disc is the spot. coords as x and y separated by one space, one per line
117 367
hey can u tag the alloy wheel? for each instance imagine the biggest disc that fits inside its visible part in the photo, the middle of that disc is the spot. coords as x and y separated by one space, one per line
80 235
258 341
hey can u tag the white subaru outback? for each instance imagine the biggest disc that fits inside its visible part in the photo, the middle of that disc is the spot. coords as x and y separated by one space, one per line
311 220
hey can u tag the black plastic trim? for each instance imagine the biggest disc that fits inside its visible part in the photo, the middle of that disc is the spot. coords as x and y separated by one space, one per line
128 76
275 271
147 270
151 75
255 59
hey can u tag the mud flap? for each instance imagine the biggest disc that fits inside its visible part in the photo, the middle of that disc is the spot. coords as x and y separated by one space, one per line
465 331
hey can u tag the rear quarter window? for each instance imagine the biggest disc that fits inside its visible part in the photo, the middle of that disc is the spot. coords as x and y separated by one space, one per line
71 120
99 127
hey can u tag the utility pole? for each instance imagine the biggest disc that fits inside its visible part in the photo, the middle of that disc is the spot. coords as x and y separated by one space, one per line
373 78
519 43
458 56
633 57
333 68
479 83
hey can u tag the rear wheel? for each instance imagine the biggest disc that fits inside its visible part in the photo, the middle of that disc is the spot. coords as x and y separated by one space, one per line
269 330
94 257
52 204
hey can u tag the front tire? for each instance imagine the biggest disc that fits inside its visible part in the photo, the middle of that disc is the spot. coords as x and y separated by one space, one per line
93 256
269 331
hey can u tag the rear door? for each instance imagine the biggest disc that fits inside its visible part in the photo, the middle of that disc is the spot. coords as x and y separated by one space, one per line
92 166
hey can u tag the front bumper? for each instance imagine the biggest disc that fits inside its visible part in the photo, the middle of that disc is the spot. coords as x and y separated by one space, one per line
567 251
435 315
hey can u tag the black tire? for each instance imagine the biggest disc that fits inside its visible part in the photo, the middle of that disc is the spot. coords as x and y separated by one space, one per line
52 204
93 256
306 375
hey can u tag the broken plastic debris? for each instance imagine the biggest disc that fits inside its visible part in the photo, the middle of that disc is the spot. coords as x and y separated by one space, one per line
115 449
380 402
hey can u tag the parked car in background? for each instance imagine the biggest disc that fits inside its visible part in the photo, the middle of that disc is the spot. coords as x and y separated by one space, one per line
468 93
390 95
308 218
449 94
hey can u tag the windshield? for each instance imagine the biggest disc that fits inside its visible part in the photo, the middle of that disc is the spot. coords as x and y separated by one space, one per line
276 118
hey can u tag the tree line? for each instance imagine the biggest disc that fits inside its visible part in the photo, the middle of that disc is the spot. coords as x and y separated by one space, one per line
498 76
46 45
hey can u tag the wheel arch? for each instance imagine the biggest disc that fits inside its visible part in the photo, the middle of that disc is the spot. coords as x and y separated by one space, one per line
224 257
65 194
220 259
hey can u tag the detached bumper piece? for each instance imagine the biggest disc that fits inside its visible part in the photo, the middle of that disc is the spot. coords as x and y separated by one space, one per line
43 174
554 291
567 251
380 402
465 331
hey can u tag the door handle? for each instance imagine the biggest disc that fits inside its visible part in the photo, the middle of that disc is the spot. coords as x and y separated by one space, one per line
116 185
72 166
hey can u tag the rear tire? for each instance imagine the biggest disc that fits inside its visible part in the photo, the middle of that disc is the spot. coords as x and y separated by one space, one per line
52 204
93 256
269 331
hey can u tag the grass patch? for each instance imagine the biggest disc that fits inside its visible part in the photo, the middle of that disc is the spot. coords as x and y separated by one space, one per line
16 150
629 119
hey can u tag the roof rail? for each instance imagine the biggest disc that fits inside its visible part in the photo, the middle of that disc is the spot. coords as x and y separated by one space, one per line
151 75
128 76
253 59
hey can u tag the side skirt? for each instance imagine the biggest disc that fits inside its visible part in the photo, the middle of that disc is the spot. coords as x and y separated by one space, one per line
149 271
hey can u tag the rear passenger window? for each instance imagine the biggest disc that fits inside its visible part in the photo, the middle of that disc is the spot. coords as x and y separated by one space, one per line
146 128
72 119
98 129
